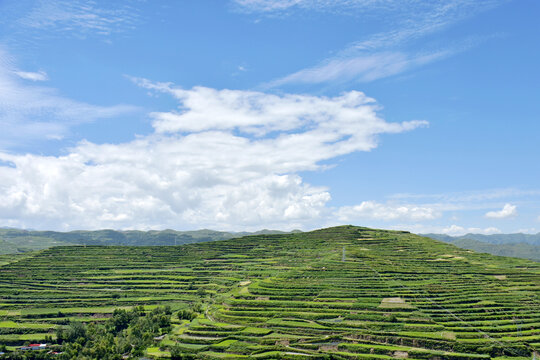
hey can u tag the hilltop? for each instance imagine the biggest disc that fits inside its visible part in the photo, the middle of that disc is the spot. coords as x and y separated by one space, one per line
343 293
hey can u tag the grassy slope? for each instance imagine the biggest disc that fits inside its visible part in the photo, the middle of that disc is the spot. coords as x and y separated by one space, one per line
279 296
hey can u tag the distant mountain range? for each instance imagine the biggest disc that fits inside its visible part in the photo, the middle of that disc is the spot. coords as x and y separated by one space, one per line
533 239
520 245
14 241
17 241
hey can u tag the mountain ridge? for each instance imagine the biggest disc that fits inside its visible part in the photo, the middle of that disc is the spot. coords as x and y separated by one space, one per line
18 240
526 246
533 239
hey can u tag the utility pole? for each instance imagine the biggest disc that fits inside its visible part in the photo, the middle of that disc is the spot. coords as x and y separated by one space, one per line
343 255
517 322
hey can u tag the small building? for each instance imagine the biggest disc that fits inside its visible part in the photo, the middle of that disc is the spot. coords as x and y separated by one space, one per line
33 347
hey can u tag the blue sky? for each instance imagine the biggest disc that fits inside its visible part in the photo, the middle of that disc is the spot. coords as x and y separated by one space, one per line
250 114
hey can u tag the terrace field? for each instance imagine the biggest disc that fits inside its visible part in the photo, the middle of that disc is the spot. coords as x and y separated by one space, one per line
343 293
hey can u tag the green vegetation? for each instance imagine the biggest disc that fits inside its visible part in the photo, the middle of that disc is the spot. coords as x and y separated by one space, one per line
528 246
521 250
533 239
285 296
14 241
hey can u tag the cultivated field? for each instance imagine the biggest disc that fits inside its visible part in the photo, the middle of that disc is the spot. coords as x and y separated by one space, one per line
344 293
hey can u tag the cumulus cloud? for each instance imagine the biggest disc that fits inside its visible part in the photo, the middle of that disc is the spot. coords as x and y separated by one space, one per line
452 230
508 210
528 231
456 230
377 211
154 182
340 124
196 171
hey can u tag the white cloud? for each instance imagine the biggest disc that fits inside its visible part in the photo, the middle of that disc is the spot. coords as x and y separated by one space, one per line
456 230
343 123
81 18
382 54
363 67
482 200
267 5
469 196
408 8
377 211
29 112
527 231
507 211
34 76
195 172
452 230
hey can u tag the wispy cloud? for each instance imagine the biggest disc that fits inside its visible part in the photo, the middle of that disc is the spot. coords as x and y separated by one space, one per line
352 7
386 53
34 76
81 18
470 200
408 10
362 68
266 5
29 111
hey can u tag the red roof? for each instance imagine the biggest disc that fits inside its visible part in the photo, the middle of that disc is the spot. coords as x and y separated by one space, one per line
34 345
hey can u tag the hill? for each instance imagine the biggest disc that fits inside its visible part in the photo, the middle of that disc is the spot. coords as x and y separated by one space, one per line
339 293
525 246
17 241
533 239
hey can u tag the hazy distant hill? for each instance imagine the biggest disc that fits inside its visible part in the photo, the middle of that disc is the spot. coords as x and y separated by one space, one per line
533 239
525 246
16 240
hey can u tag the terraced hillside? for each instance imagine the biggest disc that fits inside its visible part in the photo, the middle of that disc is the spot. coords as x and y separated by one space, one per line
344 293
